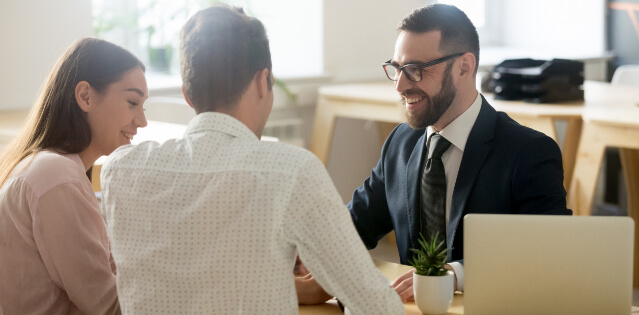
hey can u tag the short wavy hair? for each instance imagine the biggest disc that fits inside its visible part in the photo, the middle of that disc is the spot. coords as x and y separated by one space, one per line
458 32
221 51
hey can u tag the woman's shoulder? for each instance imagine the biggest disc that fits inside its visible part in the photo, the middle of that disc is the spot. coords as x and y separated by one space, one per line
47 169
51 162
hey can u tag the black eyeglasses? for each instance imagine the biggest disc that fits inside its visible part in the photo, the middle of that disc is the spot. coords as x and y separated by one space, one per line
413 71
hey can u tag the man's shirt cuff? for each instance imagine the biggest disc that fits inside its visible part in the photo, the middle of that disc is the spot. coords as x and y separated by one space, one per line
459 273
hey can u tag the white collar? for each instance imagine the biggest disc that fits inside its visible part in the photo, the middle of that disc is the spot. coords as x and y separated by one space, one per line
458 130
215 121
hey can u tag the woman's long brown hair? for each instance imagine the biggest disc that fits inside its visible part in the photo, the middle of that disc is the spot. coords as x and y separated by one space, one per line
56 121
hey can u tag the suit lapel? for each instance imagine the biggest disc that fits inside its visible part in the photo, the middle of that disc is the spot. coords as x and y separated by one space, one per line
477 149
413 172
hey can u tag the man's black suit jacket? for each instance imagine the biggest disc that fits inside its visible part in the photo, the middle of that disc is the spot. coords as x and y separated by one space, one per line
506 168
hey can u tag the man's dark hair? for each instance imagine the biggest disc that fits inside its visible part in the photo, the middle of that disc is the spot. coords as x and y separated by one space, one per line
221 51
458 32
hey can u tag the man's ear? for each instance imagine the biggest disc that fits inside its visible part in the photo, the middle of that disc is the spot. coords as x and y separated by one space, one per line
262 78
186 97
82 95
467 65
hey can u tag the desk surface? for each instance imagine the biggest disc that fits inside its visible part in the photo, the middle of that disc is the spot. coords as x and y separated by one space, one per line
621 117
391 271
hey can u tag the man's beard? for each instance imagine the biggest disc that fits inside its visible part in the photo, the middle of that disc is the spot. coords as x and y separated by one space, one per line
436 107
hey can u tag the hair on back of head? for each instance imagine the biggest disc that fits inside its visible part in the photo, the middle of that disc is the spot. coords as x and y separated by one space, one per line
221 51
458 34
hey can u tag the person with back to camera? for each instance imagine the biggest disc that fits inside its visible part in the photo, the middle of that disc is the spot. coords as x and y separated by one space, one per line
212 223
55 255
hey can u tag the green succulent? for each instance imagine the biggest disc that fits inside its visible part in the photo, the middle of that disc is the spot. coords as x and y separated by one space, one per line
430 258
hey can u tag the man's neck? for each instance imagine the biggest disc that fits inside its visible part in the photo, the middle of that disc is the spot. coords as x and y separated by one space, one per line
460 104
245 112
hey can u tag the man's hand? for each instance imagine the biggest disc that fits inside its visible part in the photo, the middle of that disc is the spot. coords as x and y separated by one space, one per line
448 267
300 270
309 291
403 285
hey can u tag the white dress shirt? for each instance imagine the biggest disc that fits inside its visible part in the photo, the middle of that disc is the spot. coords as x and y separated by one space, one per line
456 133
212 223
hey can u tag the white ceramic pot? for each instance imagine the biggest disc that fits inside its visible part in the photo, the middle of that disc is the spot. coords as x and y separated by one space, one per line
433 295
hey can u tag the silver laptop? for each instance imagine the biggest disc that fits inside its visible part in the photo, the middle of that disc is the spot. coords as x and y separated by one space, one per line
534 264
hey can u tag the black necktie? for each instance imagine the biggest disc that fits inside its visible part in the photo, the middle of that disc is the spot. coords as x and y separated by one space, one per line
433 190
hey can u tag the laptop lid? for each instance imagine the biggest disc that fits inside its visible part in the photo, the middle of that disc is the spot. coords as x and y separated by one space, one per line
538 264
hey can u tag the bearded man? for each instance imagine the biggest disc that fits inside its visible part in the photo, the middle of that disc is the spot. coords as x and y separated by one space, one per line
455 155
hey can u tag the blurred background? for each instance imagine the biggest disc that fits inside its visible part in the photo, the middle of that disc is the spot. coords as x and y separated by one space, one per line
314 43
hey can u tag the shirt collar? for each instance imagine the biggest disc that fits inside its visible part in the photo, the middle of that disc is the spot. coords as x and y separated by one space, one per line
75 157
458 130
214 121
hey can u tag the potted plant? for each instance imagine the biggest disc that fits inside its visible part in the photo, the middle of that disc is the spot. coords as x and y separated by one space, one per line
155 24
160 54
433 285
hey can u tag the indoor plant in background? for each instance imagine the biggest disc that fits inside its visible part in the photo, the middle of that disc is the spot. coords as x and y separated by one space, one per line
150 28
433 285
161 21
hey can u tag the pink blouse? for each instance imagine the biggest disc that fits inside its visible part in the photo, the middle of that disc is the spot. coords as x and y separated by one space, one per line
55 256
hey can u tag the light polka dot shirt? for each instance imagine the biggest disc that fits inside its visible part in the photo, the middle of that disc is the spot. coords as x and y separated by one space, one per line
212 223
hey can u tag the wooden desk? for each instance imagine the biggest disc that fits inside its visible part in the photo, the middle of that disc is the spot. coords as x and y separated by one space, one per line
617 127
611 118
391 271
380 102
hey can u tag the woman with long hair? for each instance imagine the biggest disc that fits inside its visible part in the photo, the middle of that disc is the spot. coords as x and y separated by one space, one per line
55 256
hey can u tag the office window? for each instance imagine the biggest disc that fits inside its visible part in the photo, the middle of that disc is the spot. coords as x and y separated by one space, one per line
475 9
150 29
295 31
485 15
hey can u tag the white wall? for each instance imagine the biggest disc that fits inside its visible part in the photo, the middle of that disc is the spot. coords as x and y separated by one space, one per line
34 33
563 25
359 35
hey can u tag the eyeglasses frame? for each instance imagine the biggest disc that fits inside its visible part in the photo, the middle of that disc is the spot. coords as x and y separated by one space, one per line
421 66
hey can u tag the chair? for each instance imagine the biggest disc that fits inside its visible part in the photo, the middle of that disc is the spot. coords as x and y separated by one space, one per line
626 75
